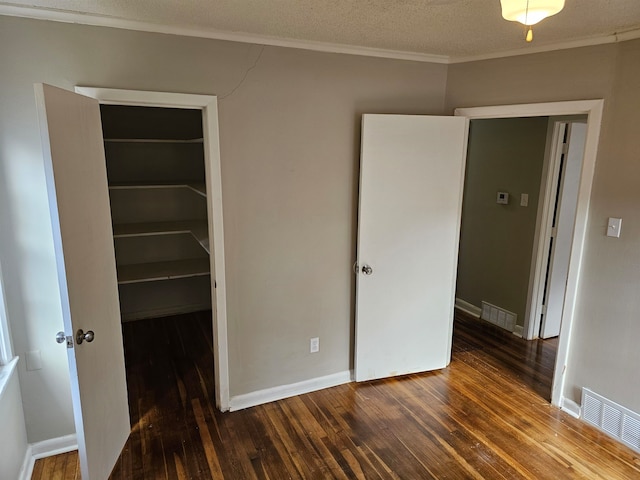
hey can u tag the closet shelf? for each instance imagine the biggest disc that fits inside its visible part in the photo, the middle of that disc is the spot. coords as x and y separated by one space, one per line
198 188
153 140
151 272
198 229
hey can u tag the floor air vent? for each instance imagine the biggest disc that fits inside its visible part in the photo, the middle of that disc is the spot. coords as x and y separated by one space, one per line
613 419
498 316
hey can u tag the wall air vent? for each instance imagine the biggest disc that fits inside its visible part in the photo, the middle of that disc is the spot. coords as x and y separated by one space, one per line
613 419
498 316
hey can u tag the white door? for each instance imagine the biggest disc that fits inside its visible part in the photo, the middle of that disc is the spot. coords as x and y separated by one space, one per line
562 228
411 181
76 178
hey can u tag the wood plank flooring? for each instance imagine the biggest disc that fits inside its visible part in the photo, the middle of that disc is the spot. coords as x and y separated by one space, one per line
484 417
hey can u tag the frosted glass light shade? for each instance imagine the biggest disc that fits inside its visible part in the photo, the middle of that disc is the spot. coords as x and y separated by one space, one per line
536 10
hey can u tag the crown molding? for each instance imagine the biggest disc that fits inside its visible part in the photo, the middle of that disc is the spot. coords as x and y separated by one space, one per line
115 22
65 16
529 50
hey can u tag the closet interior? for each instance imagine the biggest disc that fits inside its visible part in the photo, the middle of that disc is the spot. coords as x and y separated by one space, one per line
156 174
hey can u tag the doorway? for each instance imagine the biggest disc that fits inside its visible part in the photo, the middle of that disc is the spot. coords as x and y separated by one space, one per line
592 109
213 184
440 216
519 206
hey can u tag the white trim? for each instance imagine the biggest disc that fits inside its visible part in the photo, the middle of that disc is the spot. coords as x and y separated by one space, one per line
6 350
209 106
39 13
6 373
518 330
571 407
552 47
467 307
43 449
116 96
593 110
54 446
574 107
267 395
26 470
64 16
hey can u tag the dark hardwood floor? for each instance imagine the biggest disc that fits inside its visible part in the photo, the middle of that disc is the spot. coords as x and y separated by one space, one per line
531 362
484 417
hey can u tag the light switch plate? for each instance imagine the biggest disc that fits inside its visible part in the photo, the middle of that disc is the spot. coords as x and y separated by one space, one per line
613 227
33 360
524 199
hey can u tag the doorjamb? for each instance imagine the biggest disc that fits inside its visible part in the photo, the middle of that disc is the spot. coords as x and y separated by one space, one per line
593 110
209 106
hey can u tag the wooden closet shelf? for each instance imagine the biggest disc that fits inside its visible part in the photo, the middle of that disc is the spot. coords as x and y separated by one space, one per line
153 140
198 188
151 272
198 229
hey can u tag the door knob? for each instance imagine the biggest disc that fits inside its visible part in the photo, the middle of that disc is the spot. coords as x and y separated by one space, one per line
61 337
81 336
367 270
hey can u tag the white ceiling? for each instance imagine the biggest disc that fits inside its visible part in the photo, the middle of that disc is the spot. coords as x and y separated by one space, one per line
449 28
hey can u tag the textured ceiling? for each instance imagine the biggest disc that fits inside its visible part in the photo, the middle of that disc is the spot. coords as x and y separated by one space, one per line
454 28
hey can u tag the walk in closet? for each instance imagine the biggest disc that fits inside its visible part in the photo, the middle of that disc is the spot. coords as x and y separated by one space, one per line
156 175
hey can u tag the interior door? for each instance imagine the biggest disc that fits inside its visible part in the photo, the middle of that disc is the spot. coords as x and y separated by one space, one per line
76 178
411 181
563 222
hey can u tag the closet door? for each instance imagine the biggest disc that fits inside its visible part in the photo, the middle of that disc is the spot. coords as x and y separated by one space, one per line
79 206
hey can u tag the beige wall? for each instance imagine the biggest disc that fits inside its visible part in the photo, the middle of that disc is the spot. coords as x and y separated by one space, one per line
603 352
496 241
290 147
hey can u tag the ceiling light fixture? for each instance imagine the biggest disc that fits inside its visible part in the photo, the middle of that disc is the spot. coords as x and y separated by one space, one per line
530 12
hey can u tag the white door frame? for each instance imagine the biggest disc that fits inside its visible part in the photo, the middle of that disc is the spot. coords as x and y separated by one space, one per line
593 110
209 106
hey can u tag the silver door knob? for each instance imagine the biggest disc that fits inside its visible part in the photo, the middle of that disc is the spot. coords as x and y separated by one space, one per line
81 336
61 337
367 270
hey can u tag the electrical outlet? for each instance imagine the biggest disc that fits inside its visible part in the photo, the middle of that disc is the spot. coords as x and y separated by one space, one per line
314 345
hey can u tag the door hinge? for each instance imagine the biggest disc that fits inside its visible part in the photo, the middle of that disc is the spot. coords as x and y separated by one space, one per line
565 148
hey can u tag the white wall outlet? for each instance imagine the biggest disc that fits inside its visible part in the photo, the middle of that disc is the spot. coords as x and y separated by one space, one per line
314 345
524 199
503 198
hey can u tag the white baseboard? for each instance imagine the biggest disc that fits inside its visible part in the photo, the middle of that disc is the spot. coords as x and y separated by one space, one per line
569 406
54 446
267 395
469 308
27 465
46 448
518 331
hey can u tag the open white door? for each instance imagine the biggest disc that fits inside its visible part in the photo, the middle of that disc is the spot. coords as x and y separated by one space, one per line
76 177
563 222
411 181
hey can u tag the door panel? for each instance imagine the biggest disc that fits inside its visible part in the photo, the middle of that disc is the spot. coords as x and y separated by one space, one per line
411 179
566 218
76 178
